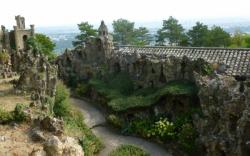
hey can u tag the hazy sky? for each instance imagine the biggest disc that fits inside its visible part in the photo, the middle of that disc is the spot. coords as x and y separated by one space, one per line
69 12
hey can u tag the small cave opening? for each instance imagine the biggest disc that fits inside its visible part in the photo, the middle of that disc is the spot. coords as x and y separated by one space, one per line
25 38
162 78
183 68
117 68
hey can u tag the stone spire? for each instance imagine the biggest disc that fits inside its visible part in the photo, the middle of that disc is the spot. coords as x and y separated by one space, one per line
103 30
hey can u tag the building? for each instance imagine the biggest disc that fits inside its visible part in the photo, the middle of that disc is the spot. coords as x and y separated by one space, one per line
15 39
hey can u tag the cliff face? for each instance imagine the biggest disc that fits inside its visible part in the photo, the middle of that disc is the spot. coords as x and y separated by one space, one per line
224 100
224 128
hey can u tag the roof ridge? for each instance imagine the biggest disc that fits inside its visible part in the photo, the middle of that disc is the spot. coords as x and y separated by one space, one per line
178 47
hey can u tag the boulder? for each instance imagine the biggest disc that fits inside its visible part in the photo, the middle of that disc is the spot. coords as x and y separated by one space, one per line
71 147
67 147
37 135
53 146
53 125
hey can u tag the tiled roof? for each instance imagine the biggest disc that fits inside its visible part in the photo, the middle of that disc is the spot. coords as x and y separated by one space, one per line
237 60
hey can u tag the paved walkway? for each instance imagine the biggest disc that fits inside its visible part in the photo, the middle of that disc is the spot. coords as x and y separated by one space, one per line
110 138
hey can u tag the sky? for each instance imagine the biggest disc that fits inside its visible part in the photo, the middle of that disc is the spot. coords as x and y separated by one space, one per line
70 12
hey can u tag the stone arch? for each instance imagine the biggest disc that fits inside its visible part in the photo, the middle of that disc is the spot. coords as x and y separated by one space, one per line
25 38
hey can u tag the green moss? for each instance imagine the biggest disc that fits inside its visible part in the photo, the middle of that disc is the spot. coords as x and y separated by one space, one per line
147 97
128 150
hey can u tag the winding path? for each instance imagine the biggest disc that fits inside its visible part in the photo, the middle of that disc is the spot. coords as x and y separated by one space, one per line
112 139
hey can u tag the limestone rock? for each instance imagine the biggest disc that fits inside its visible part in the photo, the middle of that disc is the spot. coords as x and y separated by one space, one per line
71 147
38 152
67 147
53 146
52 125
37 135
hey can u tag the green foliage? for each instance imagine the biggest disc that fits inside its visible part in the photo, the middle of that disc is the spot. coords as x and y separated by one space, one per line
207 69
240 40
82 89
89 142
61 106
18 113
121 95
218 37
186 137
42 43
125 33
115 120
140 127
4 57
86 30
142 36
128 150
5 117
198 35
171 31
163 130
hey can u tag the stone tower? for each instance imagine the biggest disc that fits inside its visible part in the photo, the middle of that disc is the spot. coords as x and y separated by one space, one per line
21 34
106 39
103 30
20 21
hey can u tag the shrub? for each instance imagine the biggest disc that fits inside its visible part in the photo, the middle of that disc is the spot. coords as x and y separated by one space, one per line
82 89
115 120
89 142
4 57
163 130
5 117
61 106
140 127
186 138
19 114
128 150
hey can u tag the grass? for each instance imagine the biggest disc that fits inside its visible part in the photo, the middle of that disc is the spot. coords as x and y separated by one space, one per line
74 121
74 126
128 150
122 96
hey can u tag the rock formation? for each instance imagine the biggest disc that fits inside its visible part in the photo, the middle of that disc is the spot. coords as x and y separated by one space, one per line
221 75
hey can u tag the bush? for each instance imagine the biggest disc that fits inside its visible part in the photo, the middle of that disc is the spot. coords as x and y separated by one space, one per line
19 114
4 57
163 130
140 127
82 89
115 120
61 106
128 150
5 117
89 142
186 138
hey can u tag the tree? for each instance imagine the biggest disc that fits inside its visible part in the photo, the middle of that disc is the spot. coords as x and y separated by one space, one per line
42 43
86 30
141 36
218 37
198 35
172 31
160 38
237 40
123 31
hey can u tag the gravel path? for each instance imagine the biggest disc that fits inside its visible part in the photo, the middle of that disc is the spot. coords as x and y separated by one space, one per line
110 138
